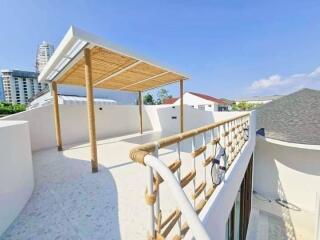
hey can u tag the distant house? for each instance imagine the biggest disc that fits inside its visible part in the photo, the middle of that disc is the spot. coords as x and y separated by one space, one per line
201 101
258 99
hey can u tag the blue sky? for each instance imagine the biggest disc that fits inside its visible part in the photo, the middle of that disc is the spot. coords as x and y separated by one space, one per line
228 48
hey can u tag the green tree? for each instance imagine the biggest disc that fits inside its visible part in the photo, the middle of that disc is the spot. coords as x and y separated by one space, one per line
244 106
8 108
148 99
162 95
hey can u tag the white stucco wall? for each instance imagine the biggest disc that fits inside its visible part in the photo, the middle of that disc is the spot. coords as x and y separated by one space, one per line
16 171
110 121
168 118
219 116
288 172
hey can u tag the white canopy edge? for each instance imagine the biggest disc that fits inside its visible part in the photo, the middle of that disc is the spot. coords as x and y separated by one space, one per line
70 51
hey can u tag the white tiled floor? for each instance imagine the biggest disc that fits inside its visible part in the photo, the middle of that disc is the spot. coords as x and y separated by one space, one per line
266 226
69 202
270 221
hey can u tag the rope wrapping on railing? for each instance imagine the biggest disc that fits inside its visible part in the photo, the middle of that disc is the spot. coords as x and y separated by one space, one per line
226 139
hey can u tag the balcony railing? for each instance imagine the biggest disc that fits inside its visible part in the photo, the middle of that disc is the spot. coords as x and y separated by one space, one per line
220 144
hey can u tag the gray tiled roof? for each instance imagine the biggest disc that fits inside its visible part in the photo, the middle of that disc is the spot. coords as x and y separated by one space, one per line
293 118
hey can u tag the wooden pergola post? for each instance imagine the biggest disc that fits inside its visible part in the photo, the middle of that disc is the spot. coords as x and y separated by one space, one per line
181 107
56 115
90 109
140 112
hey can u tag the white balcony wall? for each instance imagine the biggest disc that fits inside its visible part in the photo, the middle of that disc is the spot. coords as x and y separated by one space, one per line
287 172
290 172
216 212
16 171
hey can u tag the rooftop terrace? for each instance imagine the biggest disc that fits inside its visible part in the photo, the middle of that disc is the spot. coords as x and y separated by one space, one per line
69 202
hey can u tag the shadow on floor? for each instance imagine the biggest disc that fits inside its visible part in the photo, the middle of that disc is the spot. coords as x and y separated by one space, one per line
186 144
68 202
146 137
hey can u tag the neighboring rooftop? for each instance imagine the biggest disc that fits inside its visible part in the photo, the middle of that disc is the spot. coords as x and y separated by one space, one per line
228 101
207 97
258 98
19 73
170 100
200 95
293 118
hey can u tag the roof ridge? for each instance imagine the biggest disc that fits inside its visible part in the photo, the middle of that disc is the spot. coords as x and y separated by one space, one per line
207 97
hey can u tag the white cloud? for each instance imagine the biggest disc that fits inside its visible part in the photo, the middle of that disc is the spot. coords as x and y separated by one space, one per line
315 73
274 80
276 84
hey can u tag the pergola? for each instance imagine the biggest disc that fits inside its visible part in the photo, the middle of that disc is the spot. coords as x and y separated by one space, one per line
85 60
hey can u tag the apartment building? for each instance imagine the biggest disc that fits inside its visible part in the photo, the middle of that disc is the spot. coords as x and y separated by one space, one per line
19 86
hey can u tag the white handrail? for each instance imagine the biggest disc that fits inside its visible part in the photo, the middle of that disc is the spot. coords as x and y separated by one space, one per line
187 210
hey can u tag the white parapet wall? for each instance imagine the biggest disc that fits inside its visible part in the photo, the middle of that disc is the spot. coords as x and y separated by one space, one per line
111 121
16 170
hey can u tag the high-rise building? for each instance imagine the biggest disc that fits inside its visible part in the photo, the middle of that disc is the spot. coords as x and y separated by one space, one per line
19 86
44 53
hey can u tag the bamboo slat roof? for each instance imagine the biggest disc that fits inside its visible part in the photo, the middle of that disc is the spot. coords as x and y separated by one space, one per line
111 68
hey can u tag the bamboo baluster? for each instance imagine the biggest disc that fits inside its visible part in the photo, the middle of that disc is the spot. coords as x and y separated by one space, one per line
234 139
157 205
225 145
194 167
150 202
234 134
239 136
229 143
179 179
181 107
204 158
